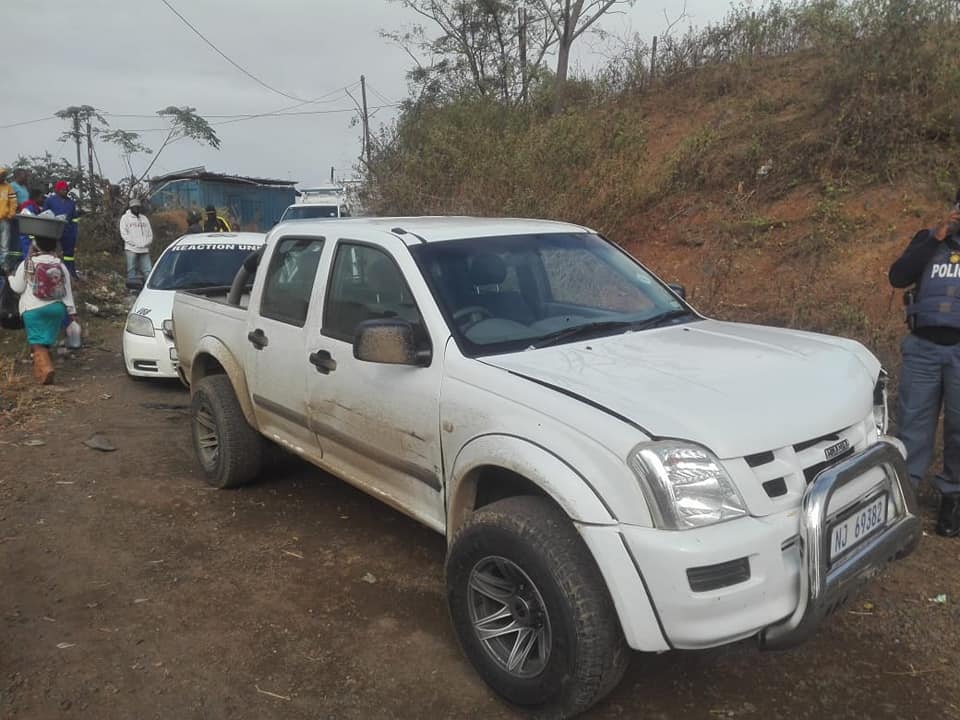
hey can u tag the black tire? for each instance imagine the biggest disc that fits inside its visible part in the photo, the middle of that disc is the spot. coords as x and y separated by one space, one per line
585 654
229 451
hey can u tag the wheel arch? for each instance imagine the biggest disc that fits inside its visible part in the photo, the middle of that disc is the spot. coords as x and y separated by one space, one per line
493 467
214 358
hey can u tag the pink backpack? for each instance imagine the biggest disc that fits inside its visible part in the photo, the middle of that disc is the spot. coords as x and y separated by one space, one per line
48 281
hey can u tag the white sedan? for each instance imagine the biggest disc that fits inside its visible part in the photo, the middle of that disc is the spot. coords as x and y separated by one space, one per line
192 261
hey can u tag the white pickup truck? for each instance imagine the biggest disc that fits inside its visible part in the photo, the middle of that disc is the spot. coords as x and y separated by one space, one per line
611 469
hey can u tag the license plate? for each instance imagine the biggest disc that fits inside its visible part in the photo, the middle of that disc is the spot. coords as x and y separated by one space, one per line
849 533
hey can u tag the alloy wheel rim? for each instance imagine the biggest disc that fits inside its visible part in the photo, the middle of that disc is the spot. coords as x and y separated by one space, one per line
509 617
208 439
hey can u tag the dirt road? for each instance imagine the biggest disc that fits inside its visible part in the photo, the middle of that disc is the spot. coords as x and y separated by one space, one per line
130 590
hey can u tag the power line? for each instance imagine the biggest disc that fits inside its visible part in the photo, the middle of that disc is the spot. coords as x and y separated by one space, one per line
228 58
383 98
327 97
28 122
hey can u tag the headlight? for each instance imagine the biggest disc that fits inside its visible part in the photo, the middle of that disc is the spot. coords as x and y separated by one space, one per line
880 412
686 486
139 325
168 328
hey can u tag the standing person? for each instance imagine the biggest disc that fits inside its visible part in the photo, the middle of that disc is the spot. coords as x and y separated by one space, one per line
215 223
8 209
19 183
46 300
193 223
930 376
137 236
62 205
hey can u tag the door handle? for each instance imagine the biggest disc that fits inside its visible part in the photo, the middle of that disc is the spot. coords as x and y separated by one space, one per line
324 362
257 339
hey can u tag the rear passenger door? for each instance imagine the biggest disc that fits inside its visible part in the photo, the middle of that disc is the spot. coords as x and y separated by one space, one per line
277 337
378 423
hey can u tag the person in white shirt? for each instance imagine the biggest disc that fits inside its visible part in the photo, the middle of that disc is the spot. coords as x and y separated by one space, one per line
46 297
137 237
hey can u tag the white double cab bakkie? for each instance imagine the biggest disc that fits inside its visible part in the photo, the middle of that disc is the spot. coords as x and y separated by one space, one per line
610 468
191 261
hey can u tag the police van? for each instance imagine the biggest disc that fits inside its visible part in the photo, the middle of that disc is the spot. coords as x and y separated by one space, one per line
191 262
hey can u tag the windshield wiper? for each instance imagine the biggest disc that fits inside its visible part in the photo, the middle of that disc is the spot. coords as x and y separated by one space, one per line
661 319
576 331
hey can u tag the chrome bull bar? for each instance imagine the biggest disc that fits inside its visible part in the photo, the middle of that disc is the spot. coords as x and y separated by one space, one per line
824 586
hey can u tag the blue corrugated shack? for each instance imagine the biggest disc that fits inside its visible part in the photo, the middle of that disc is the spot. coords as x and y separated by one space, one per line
255 203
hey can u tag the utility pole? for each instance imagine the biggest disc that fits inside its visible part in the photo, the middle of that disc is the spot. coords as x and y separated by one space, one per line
91 189
653 59
366 119
522 36
76 137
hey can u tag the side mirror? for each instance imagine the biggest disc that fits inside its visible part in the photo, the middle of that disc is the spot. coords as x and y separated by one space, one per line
388 341
134 285
678 289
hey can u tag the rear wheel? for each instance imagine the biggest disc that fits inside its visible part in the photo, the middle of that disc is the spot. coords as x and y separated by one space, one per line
531 610
230 452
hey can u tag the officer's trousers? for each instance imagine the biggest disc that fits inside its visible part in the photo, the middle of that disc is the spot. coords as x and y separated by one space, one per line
929 381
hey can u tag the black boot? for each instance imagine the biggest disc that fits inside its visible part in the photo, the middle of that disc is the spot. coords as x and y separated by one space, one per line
948 520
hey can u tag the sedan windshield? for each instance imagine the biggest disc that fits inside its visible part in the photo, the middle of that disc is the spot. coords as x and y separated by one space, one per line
502 294
310 212
194 266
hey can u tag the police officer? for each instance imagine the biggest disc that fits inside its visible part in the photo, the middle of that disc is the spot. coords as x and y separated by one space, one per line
930 376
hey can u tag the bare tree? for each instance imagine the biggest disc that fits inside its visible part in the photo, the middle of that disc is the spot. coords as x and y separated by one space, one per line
571 19
484 47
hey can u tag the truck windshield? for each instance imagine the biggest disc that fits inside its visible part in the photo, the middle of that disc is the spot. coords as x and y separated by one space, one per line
310 212
503 294
194 266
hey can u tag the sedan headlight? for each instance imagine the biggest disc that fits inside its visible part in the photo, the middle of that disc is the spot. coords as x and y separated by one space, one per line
139 325
168 328
880 411
686 486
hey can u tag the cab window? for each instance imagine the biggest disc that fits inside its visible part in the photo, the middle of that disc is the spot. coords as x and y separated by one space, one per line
366 284
289 281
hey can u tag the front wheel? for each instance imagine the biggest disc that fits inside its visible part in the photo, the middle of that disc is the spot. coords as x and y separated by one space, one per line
531 610
230 452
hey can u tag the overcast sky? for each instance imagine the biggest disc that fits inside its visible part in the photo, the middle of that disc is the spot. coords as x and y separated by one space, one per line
133 57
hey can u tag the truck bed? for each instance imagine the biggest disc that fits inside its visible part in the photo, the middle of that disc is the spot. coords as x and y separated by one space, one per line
203 316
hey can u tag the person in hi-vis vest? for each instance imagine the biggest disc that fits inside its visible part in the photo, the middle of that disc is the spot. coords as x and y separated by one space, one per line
930 376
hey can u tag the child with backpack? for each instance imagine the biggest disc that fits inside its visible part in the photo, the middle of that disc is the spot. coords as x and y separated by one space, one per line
46 298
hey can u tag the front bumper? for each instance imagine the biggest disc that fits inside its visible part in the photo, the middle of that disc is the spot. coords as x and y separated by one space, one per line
150 356
825 586
791 585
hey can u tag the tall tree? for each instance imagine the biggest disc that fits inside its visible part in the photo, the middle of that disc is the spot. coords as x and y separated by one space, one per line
129 144
79 116
570 19
184 124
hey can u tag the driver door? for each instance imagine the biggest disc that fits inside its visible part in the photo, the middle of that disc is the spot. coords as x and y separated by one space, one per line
379 424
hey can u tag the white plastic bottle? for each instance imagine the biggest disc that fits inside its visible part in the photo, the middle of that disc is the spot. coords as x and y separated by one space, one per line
74 336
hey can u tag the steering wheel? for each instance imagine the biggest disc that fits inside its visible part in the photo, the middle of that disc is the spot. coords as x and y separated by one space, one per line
467 317
189 278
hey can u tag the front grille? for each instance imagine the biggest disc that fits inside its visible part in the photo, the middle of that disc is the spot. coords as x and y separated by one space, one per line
775 487
832 437
759 459
785 472
809 473
714 577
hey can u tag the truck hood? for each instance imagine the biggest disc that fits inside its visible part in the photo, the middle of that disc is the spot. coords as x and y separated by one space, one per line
737 389
155 304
